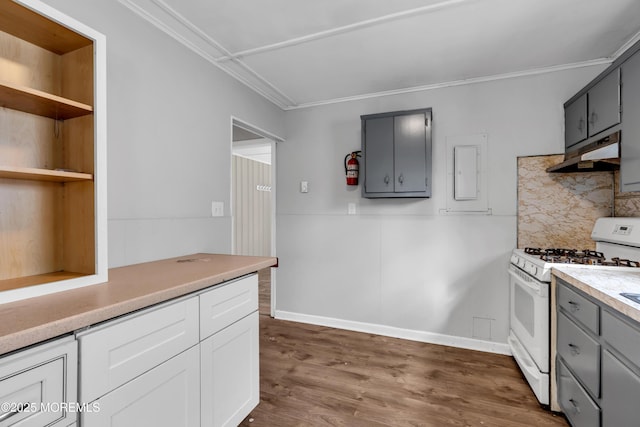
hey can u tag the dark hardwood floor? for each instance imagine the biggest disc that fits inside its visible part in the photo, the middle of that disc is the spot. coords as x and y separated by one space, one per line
320 376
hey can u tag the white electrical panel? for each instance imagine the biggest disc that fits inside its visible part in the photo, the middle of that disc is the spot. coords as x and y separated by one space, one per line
465 159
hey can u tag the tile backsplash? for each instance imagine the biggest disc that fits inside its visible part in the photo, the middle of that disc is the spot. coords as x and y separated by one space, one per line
626 204
559 209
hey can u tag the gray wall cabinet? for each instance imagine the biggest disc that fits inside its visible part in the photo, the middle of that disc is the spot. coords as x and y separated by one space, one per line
630 147
592 111
598 361
396 150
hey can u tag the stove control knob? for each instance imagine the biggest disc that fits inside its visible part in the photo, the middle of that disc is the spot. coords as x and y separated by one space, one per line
514 259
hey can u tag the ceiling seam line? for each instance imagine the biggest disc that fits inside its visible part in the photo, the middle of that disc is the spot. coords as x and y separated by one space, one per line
343 29
195 30
278 98
463 82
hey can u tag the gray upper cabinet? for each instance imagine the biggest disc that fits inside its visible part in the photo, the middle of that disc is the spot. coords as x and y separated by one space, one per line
396 150
575 121
593 112
604 103
630 146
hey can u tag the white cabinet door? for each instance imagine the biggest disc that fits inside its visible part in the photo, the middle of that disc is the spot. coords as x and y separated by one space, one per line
230 366
38 384
166 396
120 350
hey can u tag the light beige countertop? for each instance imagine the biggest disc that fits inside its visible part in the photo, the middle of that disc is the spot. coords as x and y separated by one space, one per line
605 284
129 288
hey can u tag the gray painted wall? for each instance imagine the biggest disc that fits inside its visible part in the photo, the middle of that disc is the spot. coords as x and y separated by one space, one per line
398 263
402 263
169 137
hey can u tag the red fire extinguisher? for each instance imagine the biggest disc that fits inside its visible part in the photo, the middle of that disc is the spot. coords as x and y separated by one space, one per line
352 167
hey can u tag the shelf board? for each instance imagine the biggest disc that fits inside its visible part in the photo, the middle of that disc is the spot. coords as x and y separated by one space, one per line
36 174
41 103
28 25
40 279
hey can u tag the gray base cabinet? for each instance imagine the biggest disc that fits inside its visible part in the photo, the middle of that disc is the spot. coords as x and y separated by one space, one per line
396 150
598 361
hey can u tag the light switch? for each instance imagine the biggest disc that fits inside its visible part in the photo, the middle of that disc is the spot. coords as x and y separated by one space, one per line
217 208
304 187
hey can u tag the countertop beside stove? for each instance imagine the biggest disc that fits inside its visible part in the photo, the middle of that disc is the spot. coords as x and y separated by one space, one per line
605 284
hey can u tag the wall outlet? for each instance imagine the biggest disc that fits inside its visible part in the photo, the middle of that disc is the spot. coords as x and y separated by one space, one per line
217 208
351 208
304 186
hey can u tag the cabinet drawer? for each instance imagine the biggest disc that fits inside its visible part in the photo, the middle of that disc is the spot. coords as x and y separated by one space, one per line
119 351
574 401
227 303
41 375
579 307
580 352
621 336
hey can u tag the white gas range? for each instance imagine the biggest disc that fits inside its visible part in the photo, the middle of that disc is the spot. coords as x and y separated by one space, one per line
617 246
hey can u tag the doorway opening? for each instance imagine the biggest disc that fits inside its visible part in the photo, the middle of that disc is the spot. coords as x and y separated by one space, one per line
253 202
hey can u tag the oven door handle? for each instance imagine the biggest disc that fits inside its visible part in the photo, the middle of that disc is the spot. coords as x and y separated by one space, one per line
534 286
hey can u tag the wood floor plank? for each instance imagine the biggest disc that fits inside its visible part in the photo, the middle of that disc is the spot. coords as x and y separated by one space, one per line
318 376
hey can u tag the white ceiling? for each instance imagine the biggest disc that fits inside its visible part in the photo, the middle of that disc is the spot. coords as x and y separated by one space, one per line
299 53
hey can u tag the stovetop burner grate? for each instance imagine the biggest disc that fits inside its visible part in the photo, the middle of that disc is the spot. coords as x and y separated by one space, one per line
574 256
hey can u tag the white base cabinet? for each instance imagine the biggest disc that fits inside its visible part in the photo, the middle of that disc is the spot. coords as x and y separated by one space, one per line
38 385
167 395
230 384
190 362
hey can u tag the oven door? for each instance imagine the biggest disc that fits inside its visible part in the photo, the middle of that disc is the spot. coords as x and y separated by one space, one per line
529 315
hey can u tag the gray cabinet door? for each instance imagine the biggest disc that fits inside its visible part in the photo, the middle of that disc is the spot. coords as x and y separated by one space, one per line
620 393
604 103
630 145
378 158
410 153
575 121
396 151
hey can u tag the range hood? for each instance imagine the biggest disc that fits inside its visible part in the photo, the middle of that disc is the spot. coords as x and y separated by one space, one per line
602 155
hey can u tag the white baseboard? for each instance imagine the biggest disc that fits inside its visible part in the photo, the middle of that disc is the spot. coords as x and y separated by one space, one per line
391 331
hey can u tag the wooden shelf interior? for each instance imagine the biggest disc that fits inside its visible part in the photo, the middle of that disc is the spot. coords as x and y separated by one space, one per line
40 279
47 210
38 30
37 102
43 174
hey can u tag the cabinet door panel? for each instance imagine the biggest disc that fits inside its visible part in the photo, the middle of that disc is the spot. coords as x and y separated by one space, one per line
378 155
410 153
575 121
604 103
620 393
166 396
121 350
630 146
230 383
